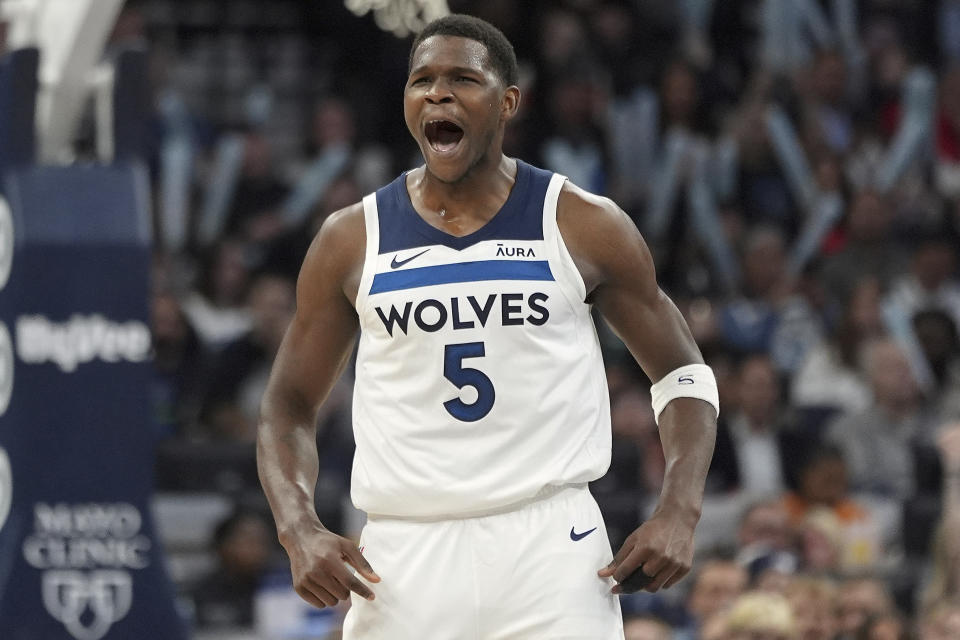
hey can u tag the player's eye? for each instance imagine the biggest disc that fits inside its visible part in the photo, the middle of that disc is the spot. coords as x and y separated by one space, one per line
419 81
466 79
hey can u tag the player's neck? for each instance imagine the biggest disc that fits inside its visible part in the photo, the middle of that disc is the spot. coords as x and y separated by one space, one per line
478 195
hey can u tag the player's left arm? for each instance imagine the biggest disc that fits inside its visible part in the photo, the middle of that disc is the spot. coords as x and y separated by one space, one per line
620 280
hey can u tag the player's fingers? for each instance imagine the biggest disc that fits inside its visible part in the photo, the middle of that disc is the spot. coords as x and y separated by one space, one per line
676 577
351 583
322 593
661 577
608 570
337 588
636 558
310 597
354 557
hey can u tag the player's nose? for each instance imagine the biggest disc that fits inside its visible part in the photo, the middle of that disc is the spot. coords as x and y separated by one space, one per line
438 93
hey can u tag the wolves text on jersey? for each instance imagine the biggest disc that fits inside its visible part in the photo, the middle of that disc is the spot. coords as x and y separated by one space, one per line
431 315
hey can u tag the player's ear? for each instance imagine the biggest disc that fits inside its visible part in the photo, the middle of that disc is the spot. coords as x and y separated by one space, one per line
510 103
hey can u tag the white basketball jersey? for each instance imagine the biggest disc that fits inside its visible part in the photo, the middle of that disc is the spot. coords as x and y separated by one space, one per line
479 378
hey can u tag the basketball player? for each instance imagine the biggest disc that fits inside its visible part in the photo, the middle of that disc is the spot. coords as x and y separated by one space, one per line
480 403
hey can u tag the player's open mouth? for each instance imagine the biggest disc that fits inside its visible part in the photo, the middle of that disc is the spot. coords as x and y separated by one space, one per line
443 136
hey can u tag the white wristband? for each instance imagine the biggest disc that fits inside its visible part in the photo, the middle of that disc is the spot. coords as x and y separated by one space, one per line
688 381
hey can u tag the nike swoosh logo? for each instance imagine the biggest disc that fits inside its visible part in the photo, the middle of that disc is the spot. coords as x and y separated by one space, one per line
396 264
580 536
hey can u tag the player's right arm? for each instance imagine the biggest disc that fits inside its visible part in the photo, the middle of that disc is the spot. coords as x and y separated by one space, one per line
313 354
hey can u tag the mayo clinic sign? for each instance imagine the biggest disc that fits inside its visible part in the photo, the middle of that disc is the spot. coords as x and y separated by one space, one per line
79 559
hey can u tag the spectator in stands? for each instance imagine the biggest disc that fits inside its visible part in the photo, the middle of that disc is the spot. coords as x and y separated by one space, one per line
239 373
254 210
762 615
645 627
179 361
887 626
636 465
286 253
715 586
766 525
224 598
869 248
823 505
937 334
830 381
860 599
878 443
748 323
216 307
828 122
940 622
750 452
943 583
931 282
812 601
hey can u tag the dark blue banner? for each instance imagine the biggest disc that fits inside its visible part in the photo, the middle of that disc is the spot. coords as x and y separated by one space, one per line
78 555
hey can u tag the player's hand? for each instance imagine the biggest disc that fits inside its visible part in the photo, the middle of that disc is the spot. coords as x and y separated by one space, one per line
660 550
318 561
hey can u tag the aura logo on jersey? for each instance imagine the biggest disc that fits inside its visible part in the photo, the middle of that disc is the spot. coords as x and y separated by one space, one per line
87 553
432 315
6 242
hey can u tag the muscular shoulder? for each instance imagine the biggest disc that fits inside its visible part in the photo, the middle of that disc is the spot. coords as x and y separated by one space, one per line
336 254
602 239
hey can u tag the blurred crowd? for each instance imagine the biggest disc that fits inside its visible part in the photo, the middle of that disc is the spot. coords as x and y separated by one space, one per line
794 166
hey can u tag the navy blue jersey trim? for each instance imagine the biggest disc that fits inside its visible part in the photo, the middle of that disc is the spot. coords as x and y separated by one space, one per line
520 217
477 271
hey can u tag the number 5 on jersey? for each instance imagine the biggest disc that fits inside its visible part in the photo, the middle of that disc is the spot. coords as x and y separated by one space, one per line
461 376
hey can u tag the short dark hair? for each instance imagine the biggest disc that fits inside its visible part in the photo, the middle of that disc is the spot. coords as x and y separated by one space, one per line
499 50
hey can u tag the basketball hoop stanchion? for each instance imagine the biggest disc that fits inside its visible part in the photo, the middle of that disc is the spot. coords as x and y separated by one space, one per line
400 17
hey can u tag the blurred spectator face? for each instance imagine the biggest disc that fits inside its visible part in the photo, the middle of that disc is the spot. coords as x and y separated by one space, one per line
632 416
824 481
830 78
573 102
341 193
761 616
614 26
860 599
934 263
646 629
759 391
863 308
333 124
679 91
169 325
870 218
717 585
937 335
812 602
272 303
887 627
246 550
562 39
230 273
763 261
889 373
256 156
766 525
942 623
821 540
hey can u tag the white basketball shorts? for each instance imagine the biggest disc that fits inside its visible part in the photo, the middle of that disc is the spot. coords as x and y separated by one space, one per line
525 574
